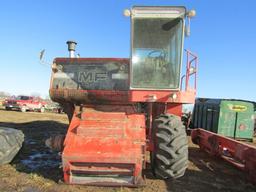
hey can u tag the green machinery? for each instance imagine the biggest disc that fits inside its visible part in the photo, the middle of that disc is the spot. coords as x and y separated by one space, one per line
227 117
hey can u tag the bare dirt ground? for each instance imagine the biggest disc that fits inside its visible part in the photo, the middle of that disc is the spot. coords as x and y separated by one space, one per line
37 169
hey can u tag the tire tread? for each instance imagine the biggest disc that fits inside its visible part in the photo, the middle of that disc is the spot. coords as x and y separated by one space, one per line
170 159
10 143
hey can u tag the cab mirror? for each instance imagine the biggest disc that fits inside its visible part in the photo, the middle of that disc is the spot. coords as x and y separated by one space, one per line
190 14
41 55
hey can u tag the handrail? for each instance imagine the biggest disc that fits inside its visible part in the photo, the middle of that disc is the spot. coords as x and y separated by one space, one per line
192 61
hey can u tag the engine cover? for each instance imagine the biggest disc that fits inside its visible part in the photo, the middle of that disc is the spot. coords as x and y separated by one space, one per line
90 80
90 74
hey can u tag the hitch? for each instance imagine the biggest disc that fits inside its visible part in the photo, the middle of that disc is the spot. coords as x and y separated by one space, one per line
239 154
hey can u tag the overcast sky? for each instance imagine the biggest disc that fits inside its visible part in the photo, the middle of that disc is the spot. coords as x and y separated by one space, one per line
223 34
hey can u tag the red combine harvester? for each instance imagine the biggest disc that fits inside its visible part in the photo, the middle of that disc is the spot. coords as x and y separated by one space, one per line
121 108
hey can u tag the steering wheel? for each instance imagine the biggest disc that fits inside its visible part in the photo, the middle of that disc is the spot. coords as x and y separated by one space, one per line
161 53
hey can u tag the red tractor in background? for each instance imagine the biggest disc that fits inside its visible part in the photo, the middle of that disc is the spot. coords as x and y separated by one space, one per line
120 108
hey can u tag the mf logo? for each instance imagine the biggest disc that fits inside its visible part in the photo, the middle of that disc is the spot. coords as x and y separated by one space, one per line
91 76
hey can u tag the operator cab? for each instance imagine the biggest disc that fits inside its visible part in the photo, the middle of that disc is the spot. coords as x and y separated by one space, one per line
157 44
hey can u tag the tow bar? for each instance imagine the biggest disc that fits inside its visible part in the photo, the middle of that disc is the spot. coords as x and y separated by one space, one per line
241 155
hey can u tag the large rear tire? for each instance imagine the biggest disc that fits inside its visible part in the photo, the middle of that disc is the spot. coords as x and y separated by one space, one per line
170 157
10 143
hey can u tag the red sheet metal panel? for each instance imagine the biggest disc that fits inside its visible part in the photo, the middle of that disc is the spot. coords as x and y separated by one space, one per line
105 145
239 154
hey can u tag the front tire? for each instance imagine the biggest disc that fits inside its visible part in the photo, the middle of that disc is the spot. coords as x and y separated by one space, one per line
170 157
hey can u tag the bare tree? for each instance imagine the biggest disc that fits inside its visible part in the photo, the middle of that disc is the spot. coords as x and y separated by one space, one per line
4 94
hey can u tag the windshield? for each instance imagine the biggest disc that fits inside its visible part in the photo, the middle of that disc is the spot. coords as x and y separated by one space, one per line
156 53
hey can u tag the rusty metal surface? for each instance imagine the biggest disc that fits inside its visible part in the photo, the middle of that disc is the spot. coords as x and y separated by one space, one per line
239 154
106 142
90 74
89 96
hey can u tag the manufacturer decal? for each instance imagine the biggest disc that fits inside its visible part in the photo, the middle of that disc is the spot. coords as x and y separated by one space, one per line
238 108
92 76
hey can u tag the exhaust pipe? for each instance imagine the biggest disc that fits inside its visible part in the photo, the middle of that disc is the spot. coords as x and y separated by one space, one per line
71 48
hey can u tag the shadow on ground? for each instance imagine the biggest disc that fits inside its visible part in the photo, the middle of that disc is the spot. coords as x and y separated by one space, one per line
213 174
34 156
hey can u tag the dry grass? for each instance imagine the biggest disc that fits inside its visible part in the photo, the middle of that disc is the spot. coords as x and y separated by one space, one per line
204 173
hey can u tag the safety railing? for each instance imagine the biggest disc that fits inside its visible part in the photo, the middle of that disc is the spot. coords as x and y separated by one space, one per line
191 69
